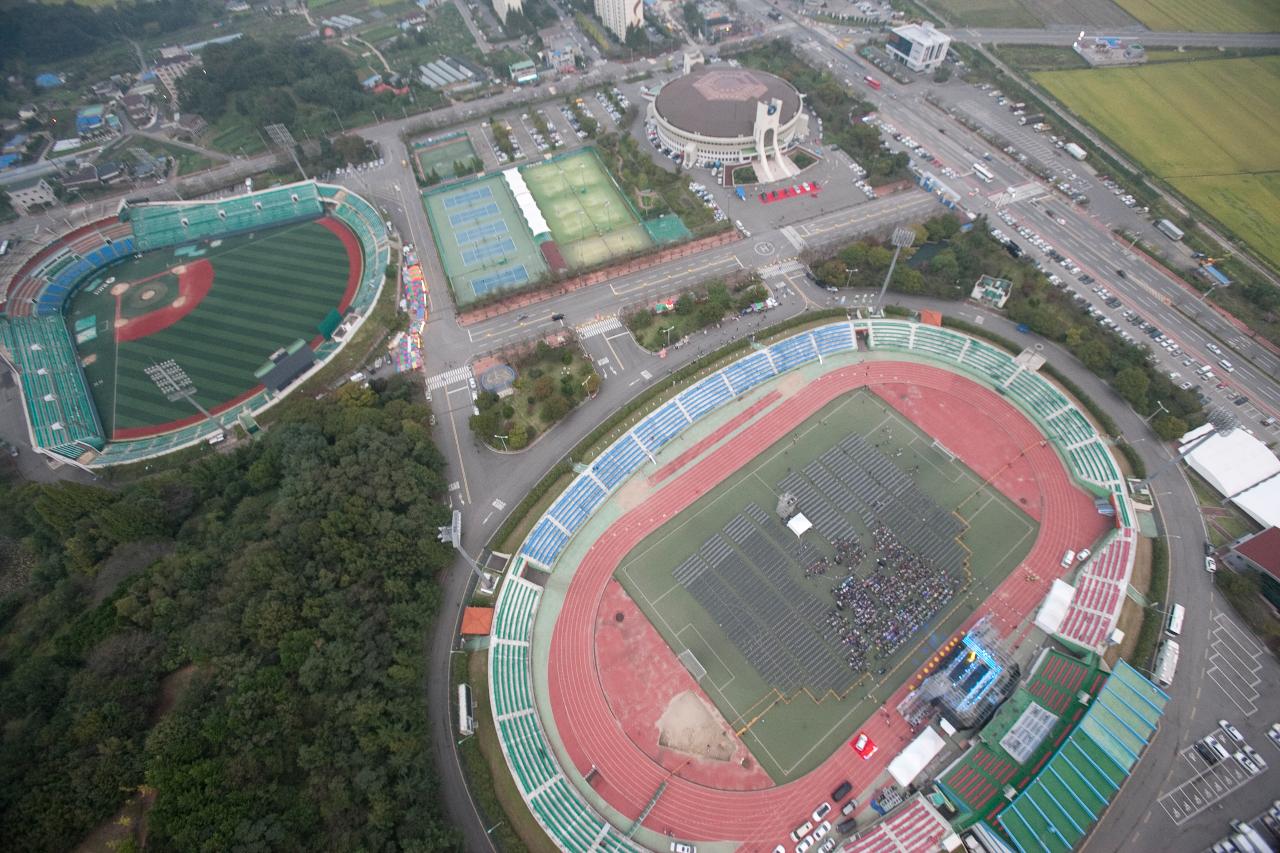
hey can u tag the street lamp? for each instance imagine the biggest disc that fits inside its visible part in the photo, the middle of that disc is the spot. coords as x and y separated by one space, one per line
901 239
1159 408
503 439
668 331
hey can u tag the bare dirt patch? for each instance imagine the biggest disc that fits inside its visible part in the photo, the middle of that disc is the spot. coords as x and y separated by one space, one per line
130 823
689 726
172 687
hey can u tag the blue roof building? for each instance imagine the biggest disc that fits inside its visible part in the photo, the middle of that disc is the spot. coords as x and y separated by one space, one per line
1219 279
50 81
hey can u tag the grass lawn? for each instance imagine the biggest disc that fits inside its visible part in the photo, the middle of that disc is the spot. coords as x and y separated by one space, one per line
1039 57
233 135
188 161
1207 128
1245 16
988 13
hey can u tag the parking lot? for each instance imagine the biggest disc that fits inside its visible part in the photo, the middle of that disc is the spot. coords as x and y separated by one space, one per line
1204 783
1235 663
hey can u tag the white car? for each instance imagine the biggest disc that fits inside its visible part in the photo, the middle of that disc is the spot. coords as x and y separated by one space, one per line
1210 565
802 830
1231 730
821 831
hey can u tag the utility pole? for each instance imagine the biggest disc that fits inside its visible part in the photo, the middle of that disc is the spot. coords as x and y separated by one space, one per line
281 136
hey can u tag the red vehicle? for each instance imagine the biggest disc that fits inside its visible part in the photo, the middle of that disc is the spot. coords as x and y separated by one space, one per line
872 82
864 746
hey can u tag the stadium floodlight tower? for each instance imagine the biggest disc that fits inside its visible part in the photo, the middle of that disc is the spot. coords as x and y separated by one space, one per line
281 136
901 239
1223 423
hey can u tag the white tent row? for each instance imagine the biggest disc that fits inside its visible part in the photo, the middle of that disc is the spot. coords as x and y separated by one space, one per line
912 761
524 200
1240 467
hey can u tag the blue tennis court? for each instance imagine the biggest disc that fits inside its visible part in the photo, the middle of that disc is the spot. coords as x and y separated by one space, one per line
466 217
488 251
496 281
465 198
473 235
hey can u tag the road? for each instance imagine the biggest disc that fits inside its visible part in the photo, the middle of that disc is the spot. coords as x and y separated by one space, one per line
1066 34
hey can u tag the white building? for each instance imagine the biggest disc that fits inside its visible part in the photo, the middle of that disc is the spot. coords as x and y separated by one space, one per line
620 15
506 7
31 194
920 47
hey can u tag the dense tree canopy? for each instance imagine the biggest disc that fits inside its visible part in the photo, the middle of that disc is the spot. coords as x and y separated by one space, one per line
46 32
296 580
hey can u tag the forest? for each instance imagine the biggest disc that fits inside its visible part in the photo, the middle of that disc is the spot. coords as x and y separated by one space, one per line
243 637
33 33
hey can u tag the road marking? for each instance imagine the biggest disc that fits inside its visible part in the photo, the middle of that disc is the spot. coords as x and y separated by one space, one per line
499 504
449 377
598 327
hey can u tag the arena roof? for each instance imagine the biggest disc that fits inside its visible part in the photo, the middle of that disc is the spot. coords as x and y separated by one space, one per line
721 102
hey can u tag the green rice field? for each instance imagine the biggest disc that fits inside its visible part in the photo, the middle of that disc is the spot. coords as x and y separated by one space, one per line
1207 128
989 13
791 734
268 289
1245 16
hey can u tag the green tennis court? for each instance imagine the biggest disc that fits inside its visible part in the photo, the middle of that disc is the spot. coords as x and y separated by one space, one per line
217 309
790 734
591 221
441 156
485 245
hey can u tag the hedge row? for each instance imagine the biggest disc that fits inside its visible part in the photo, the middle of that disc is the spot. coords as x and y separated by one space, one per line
583 448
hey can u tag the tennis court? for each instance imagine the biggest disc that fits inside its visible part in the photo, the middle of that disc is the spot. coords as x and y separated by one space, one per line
484 242
753 602
441 156
217 309
591 221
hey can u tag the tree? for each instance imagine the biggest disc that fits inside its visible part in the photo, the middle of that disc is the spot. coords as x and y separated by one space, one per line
555 408
1169 427
684 305
518 438
543 387
1132 383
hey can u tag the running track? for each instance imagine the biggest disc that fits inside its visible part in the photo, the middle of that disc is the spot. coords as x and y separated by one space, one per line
627 778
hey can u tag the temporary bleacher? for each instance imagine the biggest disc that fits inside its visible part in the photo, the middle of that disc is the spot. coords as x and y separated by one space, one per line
59 407
160 224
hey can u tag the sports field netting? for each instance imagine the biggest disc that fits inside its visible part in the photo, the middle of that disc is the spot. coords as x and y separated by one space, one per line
442 156
484 243
590 219
264 291
728 562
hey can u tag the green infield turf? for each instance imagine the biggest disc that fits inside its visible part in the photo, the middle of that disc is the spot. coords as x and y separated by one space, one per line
1208 128
791 734
267 289
442 156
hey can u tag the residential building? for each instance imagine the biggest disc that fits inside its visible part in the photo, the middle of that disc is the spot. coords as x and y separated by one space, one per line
620 15
174 62
920 47
506 7
34 193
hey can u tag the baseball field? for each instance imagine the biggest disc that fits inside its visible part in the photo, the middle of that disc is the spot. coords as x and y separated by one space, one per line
216 309
1208 128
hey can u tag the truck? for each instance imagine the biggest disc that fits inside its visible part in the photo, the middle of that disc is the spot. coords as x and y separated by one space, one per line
1035 118
1168 229
1075 151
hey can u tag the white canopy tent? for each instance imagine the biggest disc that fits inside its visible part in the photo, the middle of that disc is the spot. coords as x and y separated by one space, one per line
912 761
1054 608
798 524
1238 466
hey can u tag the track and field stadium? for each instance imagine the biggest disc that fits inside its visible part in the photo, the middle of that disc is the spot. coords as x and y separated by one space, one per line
768 563
162 326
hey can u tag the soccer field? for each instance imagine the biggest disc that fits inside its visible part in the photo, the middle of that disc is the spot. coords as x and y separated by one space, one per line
791 731
590 220
1206 127
218 309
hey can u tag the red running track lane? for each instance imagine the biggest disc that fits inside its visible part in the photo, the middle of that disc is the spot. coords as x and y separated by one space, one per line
761 819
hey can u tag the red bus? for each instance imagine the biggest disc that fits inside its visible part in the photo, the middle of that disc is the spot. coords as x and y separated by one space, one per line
872 82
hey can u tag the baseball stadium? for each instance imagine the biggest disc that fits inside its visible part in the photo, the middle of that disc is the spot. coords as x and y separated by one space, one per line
784 575
171 322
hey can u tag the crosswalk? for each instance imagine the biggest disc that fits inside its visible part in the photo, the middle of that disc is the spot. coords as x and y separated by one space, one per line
781 269
598 327
793 237
449 377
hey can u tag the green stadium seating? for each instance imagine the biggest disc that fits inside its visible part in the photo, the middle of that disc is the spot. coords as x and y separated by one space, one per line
162 224
59 406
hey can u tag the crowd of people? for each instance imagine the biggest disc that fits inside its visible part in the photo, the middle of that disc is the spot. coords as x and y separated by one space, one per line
849 553
875 615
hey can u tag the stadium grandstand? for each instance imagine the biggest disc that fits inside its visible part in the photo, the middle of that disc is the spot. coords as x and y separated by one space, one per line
980 781
62 419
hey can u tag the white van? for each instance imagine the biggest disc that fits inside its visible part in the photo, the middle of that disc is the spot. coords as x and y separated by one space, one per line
1068 558
1227 366
1204 368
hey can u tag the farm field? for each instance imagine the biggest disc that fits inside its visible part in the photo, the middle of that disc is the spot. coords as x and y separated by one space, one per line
988 13
1207 128
1245 16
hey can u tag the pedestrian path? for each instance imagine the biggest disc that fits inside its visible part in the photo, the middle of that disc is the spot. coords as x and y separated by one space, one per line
449 377
598 327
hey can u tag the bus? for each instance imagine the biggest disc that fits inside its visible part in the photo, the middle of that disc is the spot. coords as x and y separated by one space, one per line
872 82
1166 663
1173 232
466 723
983 173
1176 616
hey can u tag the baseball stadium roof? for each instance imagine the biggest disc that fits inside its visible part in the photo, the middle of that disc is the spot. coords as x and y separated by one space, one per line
721 101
